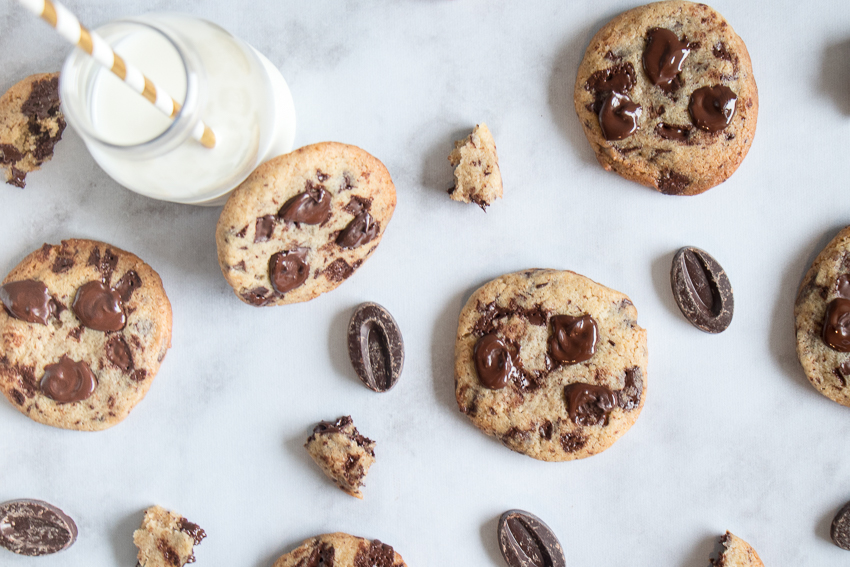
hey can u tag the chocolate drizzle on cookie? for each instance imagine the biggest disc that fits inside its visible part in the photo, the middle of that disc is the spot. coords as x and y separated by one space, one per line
68 381
712 108
27 300
573 339
493 362
98 307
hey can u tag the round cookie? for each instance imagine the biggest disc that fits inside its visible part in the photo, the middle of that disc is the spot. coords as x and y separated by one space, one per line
551 363
822 320
341 550
302 223
31 123
654 94
83 329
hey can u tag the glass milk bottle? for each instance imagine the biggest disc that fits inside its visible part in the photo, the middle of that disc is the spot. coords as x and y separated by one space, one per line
216 77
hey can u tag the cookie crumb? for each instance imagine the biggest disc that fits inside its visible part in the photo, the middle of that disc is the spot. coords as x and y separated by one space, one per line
342 453
477 176
736 553
166 539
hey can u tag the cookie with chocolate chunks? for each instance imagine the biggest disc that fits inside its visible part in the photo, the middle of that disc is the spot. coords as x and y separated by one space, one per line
303 223
341 550
822 320
342 453
478 178
84 327
736 553
551 363
166 539
31 123
666 96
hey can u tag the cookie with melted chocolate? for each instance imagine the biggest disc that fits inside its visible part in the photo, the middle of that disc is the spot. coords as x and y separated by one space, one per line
84 327
341 550
822 320
166 539
551 363
667 98
303 223
478 178
342 453
31 123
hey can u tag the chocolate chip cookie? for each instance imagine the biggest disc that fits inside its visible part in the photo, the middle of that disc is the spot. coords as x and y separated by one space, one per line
477 176
341 550
166 539
667 98
551 363
303 223
31 122
342 453
736 553
83 330
822 316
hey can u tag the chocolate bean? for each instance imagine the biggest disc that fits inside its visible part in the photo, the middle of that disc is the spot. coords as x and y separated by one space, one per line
33 527
526 541
375 347
702 290
840 530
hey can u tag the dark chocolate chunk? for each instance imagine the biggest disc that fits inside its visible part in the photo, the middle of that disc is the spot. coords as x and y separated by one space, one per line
257 296
629 396
43 101
840 529
702 290
673 183
589 404
673 132
375 347
62 264
376 554
338 270
68 381
526 541
264 228
34 528
617 79
663 58
118 353
192 530
288 270
313 206
28 301
98 307
493 362
18 177
360 230
128 283
9 154
618 117
712 108
573 339
836 325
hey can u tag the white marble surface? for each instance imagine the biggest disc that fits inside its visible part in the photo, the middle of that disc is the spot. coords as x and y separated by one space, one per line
732 435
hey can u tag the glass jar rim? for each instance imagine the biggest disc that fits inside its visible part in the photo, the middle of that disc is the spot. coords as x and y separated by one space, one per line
79 66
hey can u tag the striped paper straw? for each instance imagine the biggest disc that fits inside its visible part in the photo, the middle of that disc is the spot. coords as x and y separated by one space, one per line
70 28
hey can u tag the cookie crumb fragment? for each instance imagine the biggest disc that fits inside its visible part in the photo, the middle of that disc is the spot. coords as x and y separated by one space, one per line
31 123
477 176
166 539
737 553
342 453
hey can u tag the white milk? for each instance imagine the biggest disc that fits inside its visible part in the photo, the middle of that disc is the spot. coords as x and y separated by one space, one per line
217 79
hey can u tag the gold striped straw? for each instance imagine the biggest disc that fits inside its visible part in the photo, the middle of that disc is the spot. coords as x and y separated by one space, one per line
70 28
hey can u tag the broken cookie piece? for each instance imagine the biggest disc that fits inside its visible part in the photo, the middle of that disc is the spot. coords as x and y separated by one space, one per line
737 553
31 123
166 539
477 176
342 453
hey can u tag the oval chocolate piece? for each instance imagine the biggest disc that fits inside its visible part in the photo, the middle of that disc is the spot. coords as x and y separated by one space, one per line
99 307
840 529
664 57
313 206
836 325
375 347
35 528
673 132
68 381
573 339
712 108
288 270
702 290
27 300
360 230
118 353
589 404
493 362
619 117
526 541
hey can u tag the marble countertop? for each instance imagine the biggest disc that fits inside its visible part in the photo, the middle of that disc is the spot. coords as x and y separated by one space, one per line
732 435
